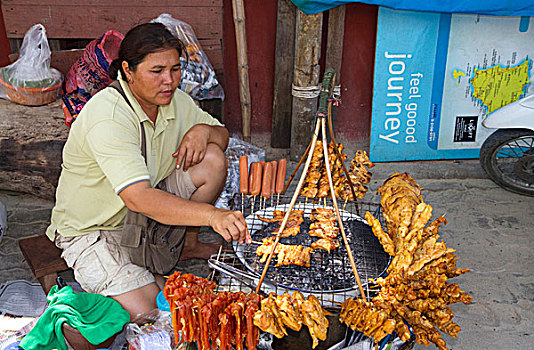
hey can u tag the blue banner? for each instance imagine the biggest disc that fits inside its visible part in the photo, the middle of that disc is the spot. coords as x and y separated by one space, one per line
437 75
482 7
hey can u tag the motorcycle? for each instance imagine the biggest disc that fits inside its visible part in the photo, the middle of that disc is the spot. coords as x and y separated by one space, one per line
507 155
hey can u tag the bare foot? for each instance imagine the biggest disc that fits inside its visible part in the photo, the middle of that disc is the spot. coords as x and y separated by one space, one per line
199 250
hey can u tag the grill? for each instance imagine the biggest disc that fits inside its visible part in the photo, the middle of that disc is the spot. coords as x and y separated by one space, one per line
330 277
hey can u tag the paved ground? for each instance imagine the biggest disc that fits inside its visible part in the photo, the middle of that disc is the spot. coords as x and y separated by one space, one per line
490 228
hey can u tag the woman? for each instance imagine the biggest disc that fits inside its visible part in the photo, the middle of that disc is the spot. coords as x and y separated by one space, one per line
104 172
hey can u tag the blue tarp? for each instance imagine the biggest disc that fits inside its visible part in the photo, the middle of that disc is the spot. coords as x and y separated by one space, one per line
482 7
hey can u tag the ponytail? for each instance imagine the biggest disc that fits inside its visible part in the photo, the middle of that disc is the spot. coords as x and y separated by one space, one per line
114 68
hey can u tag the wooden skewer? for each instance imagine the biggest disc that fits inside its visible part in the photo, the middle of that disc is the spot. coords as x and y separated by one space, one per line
255 188
291 204
345 204
333 139
212 274
274 164
243 180
280 178
297 167
334 202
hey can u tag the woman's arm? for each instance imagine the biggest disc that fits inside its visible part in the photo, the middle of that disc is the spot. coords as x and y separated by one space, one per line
169 209
218 136
193 147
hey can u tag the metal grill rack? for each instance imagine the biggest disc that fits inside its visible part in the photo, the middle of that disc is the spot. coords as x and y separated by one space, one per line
329 277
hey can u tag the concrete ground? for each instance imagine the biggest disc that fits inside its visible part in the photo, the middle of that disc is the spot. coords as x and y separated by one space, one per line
490 228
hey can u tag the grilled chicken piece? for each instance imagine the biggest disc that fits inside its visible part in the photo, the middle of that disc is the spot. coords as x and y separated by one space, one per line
292 311
265 321
289 311
265 249
268 319
324 224
362 158
383 238
286 254
289 231
314 317
329 228
294 221
278 215
319 212
325 244
309 191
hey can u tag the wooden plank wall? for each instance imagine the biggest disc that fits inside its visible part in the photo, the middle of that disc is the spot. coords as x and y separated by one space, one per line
89 19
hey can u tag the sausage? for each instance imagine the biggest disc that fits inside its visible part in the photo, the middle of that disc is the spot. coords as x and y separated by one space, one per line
281 175
273 180
267 179
243 174
250 171
256 179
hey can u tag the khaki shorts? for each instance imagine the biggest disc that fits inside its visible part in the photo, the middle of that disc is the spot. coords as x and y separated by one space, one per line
100 263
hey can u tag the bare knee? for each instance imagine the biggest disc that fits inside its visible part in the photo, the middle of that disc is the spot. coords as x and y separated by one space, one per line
216 160
212 169
140 300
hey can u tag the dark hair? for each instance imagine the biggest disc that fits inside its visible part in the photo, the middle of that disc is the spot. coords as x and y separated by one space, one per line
141 41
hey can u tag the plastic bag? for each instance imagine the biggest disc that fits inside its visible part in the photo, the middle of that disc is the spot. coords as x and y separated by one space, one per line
198 76
152 330
30 80
236 148
89 74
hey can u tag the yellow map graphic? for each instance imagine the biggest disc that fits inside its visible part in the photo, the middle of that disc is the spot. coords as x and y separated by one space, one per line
498 86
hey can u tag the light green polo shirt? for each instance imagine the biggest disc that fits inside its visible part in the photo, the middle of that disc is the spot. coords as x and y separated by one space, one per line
102 156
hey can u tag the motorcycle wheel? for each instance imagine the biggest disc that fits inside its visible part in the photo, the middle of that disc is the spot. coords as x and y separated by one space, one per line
507 156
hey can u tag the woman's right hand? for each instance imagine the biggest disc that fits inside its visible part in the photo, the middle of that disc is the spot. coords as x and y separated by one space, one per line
231 225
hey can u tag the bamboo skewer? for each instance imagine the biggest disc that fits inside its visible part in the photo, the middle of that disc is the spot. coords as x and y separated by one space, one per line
334 202
291 204
333 139
297 167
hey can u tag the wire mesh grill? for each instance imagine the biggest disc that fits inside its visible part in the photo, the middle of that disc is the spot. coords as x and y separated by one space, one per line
330 277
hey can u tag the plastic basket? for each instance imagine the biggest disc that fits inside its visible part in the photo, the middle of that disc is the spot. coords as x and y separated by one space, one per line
31 96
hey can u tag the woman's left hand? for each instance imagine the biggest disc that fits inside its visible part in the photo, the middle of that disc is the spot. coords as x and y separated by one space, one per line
193 147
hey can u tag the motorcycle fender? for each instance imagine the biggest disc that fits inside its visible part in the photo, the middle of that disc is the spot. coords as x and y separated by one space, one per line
516 115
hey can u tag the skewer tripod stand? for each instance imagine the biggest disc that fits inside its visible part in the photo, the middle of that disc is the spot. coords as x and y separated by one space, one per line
324 111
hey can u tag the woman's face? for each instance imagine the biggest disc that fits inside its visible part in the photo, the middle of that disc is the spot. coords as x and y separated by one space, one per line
156 78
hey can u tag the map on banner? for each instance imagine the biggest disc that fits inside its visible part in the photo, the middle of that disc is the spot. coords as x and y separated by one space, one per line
438 75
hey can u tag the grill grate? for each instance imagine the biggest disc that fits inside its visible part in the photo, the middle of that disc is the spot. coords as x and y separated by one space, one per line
329 277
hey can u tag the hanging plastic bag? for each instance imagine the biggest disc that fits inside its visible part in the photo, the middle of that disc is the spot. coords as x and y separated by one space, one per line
89 74
30 80
198 76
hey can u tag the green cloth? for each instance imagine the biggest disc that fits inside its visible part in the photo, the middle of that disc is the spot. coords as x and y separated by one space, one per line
95 316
